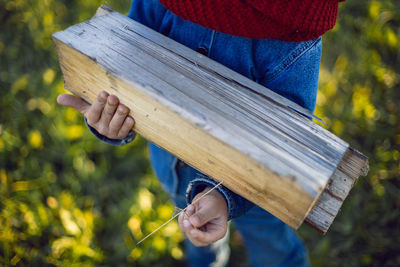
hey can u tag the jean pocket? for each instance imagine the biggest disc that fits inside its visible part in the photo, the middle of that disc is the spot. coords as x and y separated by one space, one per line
286 54
294 73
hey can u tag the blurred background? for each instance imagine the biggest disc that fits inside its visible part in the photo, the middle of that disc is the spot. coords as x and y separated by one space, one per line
66 199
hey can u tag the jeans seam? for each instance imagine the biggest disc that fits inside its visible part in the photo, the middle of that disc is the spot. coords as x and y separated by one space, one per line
175 176
292 58
213 36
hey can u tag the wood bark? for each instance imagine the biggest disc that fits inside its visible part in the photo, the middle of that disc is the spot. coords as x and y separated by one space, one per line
216 120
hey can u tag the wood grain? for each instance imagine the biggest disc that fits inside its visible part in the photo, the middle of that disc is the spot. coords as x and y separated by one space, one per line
216 120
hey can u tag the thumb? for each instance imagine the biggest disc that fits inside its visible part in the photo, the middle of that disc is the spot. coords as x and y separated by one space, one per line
202 216
74 102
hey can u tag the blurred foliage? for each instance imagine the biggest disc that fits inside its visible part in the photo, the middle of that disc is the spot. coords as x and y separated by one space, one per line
67 199
359 100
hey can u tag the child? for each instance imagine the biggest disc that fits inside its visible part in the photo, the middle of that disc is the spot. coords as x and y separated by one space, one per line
283 55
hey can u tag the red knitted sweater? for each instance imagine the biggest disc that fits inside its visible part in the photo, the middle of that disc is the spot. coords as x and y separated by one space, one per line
286 20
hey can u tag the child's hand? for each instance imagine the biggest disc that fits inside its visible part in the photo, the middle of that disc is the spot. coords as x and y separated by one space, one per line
207 220
106 114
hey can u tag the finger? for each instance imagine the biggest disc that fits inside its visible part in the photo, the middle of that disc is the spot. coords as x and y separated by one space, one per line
190 210
180 222
109 110
184 223
194 241
187 225
126 127
74 102
118 119
203 215
95 111
207 237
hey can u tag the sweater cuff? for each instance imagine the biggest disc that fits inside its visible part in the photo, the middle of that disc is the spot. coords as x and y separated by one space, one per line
237 205
115 142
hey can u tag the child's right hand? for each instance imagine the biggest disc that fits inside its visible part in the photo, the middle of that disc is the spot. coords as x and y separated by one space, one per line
206 221
106 114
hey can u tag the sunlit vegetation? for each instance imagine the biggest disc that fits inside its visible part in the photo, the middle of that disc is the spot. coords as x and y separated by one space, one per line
67 199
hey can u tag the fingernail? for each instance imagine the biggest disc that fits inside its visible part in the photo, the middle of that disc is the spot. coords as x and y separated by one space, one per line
103 94
186 223
190 208
123 106
122 109
112 99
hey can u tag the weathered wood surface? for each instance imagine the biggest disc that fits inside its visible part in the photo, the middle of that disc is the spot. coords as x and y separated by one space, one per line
216 120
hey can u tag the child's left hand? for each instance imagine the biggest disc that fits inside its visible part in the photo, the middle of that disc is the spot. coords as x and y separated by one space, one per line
207 220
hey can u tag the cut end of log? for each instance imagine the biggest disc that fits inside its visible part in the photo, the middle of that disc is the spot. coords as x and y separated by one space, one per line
351 167
362 162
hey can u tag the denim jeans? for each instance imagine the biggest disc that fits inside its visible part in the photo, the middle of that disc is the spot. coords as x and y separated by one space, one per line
288 68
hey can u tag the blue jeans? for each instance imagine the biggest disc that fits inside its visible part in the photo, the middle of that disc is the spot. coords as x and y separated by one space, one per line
288 68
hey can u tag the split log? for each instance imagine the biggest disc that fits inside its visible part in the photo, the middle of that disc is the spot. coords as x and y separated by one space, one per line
216 120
